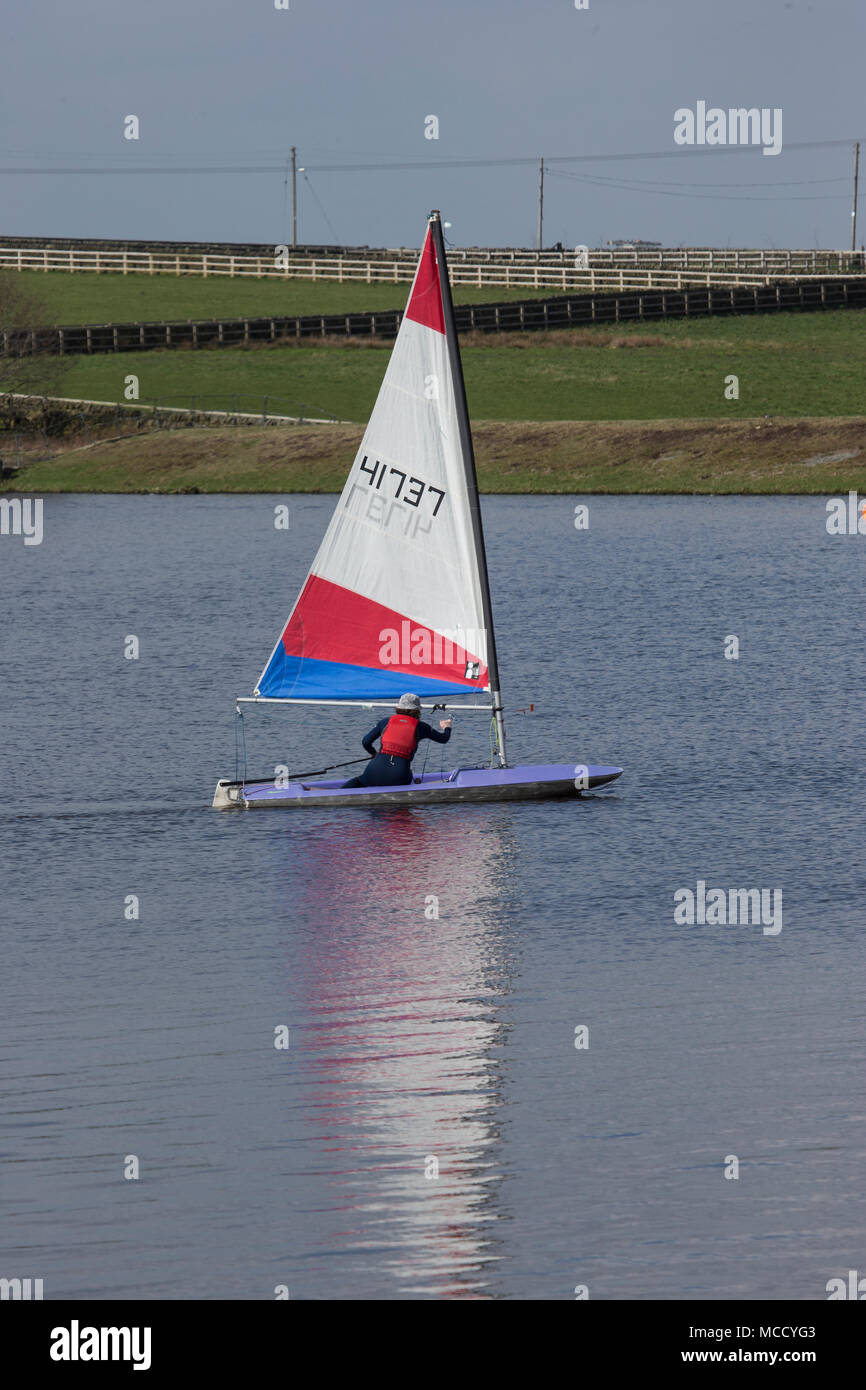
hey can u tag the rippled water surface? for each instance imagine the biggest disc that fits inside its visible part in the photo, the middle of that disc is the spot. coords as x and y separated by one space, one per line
416 1041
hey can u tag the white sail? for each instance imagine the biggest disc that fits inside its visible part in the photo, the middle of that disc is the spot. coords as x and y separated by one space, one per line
394 599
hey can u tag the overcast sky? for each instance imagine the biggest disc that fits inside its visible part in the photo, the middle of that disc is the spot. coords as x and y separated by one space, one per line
238 81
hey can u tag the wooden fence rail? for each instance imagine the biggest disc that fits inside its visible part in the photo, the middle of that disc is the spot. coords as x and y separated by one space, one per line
515 316
517 275
704 258
17 409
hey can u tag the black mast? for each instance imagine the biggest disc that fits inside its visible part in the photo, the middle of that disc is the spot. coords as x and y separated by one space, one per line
468 454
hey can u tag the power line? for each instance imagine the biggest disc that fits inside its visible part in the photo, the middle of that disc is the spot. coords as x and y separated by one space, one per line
155 169
392 165
725 197
696 183
680 153
319 205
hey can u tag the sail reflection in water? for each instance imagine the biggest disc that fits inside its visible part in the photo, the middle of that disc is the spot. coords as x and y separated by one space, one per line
400 1022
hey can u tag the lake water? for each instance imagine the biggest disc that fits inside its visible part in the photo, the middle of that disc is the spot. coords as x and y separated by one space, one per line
414 1039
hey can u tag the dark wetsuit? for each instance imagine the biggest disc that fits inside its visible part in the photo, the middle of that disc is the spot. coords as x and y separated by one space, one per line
385 770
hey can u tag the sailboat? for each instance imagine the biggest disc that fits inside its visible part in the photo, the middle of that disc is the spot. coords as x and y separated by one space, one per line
397 598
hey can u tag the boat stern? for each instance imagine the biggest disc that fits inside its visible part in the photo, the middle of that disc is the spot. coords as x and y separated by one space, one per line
229 796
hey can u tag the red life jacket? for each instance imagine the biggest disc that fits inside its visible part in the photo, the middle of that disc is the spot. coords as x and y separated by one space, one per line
400 736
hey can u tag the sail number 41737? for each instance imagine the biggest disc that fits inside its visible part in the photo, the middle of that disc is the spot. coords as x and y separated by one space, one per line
413 491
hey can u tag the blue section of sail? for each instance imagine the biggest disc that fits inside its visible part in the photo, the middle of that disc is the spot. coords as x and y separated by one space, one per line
290 677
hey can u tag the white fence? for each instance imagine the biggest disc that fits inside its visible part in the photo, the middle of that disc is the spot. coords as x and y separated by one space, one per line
157 408
511 275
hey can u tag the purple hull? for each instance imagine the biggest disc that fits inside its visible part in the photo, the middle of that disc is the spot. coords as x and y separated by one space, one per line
532 782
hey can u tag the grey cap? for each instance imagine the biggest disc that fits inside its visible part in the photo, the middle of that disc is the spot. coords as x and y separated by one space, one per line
409 702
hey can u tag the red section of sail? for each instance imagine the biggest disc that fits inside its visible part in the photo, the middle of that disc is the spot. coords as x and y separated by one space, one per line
331 623
425 303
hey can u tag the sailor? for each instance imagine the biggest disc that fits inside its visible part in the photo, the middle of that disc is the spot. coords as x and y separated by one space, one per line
400 733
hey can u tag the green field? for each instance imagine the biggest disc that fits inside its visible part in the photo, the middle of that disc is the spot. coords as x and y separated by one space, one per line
788 365
630 408
92 298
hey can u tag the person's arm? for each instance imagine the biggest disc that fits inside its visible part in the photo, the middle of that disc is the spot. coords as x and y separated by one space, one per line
425 731
369 740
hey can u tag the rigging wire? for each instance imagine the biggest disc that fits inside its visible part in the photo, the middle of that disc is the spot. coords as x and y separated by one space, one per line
240 728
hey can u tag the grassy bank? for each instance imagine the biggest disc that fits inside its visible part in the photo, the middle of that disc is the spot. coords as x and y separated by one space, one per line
787 364
634 456
92 298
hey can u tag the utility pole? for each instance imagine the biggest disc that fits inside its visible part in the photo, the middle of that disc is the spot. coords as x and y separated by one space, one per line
540 201
294 198
854 208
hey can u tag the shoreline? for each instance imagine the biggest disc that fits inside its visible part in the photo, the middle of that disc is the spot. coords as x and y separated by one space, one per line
777 456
